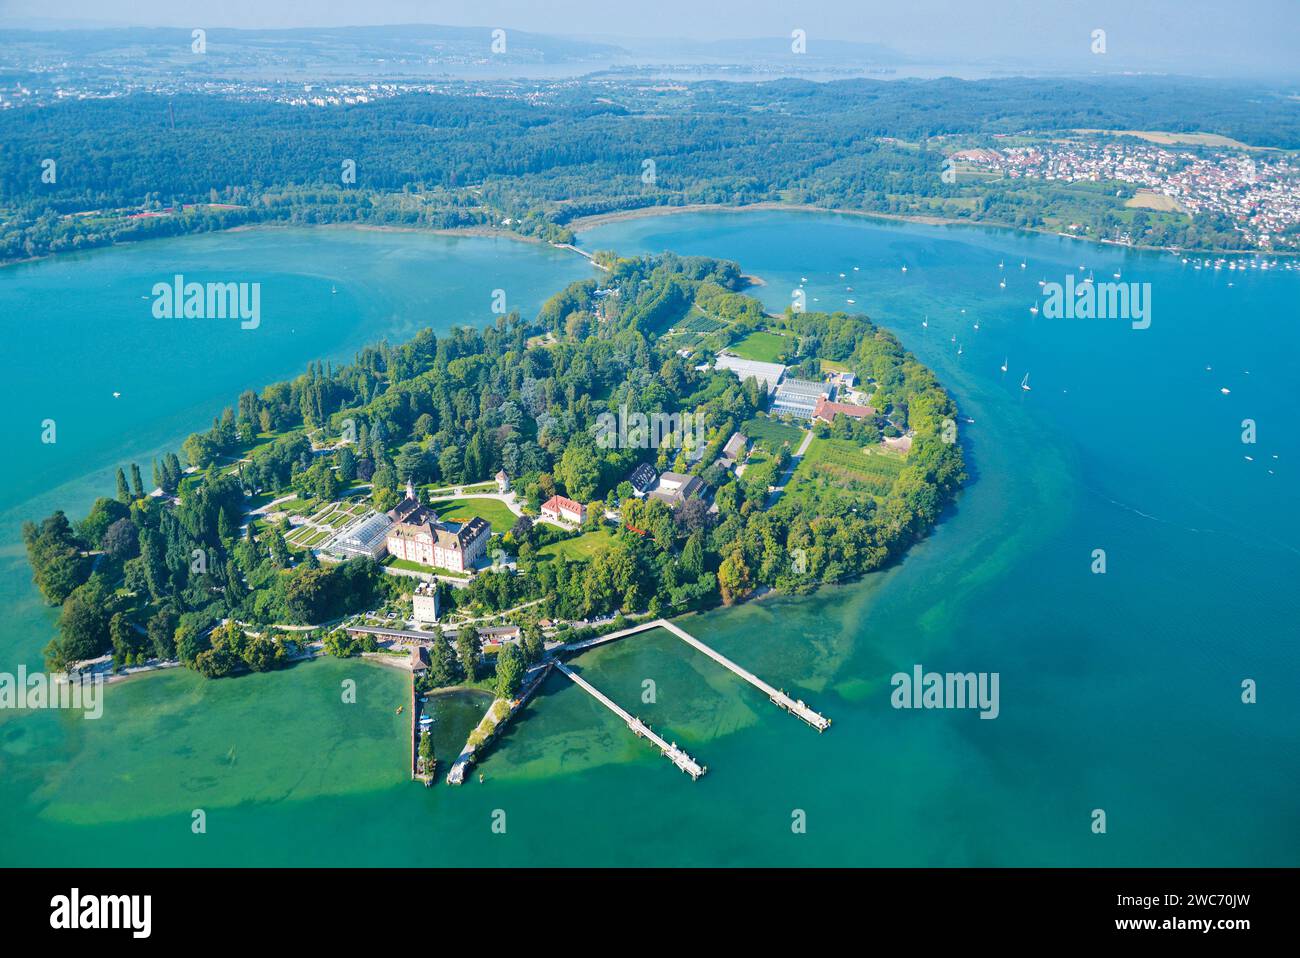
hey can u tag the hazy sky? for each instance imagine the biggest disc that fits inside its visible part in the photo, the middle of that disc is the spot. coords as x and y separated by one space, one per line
1252 33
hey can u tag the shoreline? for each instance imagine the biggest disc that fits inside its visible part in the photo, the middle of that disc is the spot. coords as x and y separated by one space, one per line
583 224
586 223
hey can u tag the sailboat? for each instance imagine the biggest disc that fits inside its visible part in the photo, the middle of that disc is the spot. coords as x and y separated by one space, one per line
959 349
1000 264
904 268
1024 383
1024 264
977 325
1004 364
1034 309
1043 281
954 338
1002 284
1088 279
1116 274
334 289
925 323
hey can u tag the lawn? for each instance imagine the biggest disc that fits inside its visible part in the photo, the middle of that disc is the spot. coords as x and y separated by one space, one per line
493 510
410 566
771 433
581 547
761 346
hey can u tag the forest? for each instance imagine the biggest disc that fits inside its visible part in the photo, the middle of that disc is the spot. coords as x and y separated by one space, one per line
146 165
153 573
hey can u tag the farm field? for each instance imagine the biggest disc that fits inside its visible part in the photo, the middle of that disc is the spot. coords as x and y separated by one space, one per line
771 434
846 466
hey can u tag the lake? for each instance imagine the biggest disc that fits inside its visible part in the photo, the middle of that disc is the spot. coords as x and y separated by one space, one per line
1118 691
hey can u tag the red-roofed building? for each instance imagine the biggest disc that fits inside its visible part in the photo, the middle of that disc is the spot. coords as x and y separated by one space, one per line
826 410
560 509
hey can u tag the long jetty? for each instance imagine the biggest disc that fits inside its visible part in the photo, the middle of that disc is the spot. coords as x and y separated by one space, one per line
795 707
669 750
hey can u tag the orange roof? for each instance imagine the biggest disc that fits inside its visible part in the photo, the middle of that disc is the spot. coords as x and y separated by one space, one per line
829 410
561 504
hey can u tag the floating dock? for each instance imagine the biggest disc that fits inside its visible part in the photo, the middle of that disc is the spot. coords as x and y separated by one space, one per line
669 750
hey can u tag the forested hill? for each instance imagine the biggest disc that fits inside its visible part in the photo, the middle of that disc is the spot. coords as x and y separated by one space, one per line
581 148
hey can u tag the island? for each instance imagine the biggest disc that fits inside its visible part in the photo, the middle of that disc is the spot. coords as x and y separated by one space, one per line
653 442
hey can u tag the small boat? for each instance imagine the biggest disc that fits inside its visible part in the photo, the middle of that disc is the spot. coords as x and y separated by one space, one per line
1116 274
954 338
1024 264
1024 383
905 269
399 710
1250 458
1088 279
855 269
1225 390
334 289
1004 365
117 395
977 326
851 302
841 275
1043 281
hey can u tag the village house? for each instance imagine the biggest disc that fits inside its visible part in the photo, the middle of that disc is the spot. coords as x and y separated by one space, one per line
503 482
500 634
735 449
560 509
642 478
675 488
826 411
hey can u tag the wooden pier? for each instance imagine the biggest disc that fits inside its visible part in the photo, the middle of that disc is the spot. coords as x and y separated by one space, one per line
795 707
669 750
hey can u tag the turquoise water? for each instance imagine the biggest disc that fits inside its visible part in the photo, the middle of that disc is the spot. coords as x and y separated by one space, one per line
1118 691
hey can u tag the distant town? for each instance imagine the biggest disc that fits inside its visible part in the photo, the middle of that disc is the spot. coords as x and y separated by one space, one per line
1258 193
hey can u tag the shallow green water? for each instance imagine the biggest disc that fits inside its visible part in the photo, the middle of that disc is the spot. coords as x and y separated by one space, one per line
1118 691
